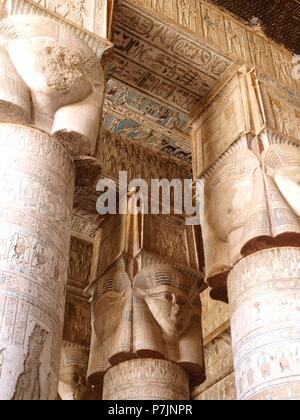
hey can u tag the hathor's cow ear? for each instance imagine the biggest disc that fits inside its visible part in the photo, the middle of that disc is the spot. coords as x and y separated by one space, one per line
77 125
14 94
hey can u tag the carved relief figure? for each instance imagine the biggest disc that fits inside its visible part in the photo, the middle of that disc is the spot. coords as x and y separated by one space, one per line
158 5
252 203
286 119
74 10
234 43
186 10
211 26
28 385
77 323
80 262
282 66
259 52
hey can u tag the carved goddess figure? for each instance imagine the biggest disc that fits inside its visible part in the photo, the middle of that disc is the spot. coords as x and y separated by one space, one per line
58 77
252 203
167 317
159 318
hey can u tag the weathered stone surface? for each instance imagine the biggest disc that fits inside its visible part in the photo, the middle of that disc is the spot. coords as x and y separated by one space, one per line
215 317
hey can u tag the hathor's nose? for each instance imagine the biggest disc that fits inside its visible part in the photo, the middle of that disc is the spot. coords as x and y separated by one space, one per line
176 307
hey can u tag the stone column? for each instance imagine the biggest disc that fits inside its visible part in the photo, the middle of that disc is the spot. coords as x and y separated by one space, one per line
36 189
146 379
251 229
265 301
146 313
49 79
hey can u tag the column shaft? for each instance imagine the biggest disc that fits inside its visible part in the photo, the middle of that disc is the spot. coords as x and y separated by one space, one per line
146 379
264 292
36 190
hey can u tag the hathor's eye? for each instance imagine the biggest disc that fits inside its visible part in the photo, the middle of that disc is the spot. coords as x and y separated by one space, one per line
168 297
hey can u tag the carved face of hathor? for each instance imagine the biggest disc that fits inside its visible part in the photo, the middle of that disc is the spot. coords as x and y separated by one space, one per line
240 179
170 308
108 313
50 69
282 163
229 194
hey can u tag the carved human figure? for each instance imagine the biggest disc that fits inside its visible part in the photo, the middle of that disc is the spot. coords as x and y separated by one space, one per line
251 203
234 43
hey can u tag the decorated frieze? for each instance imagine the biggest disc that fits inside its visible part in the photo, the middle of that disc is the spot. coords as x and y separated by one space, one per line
215 27
188 67
118 154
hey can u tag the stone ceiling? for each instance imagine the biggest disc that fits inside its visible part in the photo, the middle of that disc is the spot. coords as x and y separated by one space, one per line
161 73
280 19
